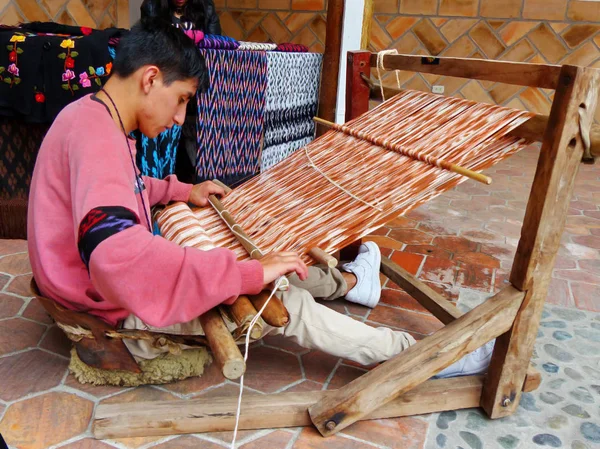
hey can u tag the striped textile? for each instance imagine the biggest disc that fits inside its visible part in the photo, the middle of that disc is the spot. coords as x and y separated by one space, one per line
292 99
217 42
178 223
230 116
294 48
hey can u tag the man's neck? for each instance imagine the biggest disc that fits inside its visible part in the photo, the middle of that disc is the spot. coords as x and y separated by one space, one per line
122 109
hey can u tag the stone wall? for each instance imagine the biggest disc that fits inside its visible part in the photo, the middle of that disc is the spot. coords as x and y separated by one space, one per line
89 13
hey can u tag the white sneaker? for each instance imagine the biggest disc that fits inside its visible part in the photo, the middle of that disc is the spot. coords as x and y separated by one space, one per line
365 267
476 362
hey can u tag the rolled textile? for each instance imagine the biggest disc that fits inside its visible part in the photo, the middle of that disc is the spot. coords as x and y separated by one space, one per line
231 116
291 103
258 46
217 42
293 48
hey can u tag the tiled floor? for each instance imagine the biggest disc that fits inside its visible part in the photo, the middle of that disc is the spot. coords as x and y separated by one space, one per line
464 239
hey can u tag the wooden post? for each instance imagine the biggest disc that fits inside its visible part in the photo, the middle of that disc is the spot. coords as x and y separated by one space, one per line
224 349
331 62
357 91
543 226
417 364
365 35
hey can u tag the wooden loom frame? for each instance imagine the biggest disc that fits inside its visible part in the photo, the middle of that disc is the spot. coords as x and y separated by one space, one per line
400 386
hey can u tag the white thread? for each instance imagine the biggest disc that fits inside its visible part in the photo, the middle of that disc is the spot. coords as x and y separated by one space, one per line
380 67
250 326
312 165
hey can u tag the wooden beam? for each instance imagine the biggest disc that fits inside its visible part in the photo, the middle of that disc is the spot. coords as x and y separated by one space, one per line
224 349
331 61
519 73
214 414
543 226
439 306
417 364
357 91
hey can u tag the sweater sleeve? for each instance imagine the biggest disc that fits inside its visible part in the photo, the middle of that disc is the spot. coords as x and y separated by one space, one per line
162 191
153 278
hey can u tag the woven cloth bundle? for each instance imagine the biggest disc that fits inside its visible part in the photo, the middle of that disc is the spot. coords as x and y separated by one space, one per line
156 157
294 48
215 41
257 46
340 188
230 115
292 99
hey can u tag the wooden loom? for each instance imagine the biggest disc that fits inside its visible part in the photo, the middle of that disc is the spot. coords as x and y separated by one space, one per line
400 386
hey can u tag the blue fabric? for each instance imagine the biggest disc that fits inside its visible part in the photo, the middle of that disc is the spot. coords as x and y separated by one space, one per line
156 157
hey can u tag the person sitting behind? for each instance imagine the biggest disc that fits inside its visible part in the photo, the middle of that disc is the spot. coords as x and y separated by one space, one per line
185 14
90 237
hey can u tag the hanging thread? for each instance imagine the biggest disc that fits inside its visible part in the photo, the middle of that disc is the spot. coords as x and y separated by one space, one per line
380 67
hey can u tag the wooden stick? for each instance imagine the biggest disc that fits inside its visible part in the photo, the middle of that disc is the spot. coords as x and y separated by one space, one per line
241 236
275 313
131 419
365 35
225 350
399 149
543 226
418 363
322 257
519 73
242 311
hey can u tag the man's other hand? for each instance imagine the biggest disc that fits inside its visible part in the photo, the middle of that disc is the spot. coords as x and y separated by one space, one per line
200 193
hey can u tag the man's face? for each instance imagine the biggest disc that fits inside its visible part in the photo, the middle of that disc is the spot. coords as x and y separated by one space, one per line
165 106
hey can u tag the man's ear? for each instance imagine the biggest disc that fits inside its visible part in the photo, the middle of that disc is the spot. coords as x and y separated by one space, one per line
150 75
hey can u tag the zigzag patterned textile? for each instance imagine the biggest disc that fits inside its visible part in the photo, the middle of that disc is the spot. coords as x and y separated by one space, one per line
230 115
217 42
292 99
156 157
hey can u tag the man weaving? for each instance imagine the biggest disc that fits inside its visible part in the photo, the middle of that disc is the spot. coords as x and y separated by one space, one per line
90 236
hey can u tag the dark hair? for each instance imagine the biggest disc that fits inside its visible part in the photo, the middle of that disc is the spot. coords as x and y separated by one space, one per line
154 41
193 11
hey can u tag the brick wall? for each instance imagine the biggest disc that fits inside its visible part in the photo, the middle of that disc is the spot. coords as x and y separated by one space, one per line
298 21
90 13
540 31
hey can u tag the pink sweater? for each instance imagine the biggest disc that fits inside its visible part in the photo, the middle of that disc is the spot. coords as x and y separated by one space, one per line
84 163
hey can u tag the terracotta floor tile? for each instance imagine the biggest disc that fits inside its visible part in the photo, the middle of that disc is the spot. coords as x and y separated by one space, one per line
279 341
591 265
577 275
17 334
559 293
20 285
318 365
188 442
30 372
475 258
344 375
12 247
384 242
268 369
474 276
98 391
88 443
4 279
275 440
409 261
440 271
587 296
434 228
45 420
589 241
402 223
455 244
139 394
397 433
35 311
410 236
15 264
9 305
212 376
428 250
506 229
565 263
56 341
401 299
405 320
310 438
307 385
448 291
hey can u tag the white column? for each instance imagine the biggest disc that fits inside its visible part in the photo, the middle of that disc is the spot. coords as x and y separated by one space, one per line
353 20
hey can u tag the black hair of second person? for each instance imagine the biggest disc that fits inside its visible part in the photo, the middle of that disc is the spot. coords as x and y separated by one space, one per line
154 41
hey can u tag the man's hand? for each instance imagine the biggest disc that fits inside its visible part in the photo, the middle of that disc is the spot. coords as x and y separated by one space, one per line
278 264
200 193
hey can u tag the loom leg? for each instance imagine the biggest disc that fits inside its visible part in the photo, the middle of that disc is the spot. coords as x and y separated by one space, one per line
543 226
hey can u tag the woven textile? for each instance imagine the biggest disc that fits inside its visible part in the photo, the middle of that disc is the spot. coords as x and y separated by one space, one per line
292 98
294 48
230 115
217 42
156 157
259 46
